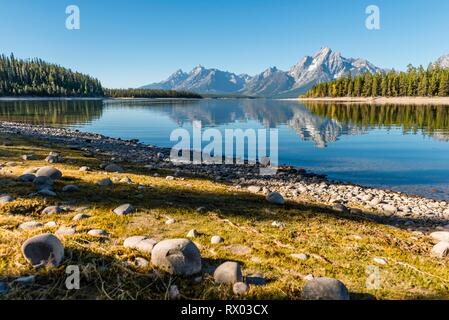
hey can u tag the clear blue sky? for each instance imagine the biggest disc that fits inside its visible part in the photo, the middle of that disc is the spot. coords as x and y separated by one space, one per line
135 42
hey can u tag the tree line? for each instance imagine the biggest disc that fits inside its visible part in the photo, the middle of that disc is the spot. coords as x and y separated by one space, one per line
37 78
415 82
149 93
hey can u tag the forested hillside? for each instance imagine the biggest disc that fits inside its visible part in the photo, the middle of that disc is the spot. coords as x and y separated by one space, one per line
149 93
415 82
38 78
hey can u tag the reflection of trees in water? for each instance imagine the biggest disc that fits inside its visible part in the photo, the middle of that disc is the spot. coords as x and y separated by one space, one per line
431 120
55 112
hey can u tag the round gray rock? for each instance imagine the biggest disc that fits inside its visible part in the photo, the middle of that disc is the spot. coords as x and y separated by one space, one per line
140 243
275 198
6 198
105 182
44 249
228 272
124 209
70 188
216 240
325 289
52 210
81 216
50 172
97 233
177 257
240 288
30 225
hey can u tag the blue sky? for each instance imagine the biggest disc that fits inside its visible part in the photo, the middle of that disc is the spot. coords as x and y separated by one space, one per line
135 42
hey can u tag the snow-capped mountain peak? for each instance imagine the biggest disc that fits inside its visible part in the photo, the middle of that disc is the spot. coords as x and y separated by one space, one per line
442 62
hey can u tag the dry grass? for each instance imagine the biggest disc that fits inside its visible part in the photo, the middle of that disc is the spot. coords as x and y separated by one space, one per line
340 246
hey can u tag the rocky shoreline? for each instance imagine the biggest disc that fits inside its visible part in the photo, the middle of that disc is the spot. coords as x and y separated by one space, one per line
292 183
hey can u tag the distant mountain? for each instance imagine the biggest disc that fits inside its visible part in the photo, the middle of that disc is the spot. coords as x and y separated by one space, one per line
203 80
442 62
325 65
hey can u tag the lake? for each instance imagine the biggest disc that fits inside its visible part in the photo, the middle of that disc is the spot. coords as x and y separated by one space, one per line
404 148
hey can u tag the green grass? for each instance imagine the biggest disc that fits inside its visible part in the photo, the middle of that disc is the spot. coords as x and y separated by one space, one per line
330 239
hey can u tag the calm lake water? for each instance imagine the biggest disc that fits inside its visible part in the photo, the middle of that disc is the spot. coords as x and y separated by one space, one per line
404 148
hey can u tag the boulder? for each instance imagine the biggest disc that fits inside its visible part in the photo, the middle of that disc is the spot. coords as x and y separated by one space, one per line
112 167
275 198
325 289
440 236
50 172
177 257
44 249
124 209
228 273
104 182
441 249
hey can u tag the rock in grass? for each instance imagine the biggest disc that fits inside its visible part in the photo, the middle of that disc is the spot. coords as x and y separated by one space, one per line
46 192
240 288
141 263
28 157
380 261
170 221
51 224
81 216
340 208
52 210
104 182
239 249
44 249
28 177
325 289
84 169
70 188
228 273
275 198
52 159
140 243
30 171
254 189
173 293
192 234
50 172
113 168
43 182
4 198
177 257
97 233
124 209
299 256
441 249
63 231
278 224
30 225
440 236
216 240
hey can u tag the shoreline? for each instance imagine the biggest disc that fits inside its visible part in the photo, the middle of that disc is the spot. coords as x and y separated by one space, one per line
293 183
380 100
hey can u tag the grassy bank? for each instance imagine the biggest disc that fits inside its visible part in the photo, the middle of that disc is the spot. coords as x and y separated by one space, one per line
338 245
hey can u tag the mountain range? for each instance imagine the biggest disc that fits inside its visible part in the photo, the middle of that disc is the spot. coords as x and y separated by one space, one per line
325 65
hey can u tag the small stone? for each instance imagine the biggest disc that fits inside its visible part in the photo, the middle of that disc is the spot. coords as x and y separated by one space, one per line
124 209
240 288
170 221
140 243
239 249
50 172
28 157
44 249
300 256
441 249
30 225
278 224
325 289
275 198
63 231
355 211
308 277
97 233
84 169
254 189
47 192
440 236
105 182
70 188
380 261
113 168
201 209
27 177
142 263
169 178
52 159
192 234
126 180
340 208
216 240
81 216
6 198
177 257
389 208
173 293
228 273
52 210
43 182
50 224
